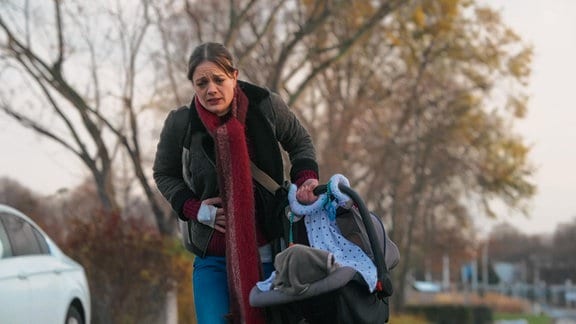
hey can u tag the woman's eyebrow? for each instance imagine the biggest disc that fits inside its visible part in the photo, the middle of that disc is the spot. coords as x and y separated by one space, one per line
203 77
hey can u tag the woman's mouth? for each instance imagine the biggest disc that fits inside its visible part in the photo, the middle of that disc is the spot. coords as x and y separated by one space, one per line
213 101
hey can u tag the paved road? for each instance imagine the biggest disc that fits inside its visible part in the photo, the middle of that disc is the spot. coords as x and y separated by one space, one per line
564 321
562 316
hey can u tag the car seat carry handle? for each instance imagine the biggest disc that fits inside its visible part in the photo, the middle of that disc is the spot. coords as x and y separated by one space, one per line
320 189
384 284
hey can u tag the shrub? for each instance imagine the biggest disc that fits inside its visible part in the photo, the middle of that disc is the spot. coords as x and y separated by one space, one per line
130 268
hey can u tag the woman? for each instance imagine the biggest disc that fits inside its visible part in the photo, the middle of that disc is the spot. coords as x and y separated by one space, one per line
202 167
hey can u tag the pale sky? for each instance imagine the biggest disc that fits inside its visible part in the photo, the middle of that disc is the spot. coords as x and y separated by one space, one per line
550 127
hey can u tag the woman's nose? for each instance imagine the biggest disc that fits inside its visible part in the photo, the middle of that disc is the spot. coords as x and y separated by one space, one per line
212 87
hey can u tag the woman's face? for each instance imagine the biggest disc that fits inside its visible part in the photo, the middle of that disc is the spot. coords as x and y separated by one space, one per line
214 88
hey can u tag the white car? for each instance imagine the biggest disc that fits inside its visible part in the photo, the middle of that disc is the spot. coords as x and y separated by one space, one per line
38 282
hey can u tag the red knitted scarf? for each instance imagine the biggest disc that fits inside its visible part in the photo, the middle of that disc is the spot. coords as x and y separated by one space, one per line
235 183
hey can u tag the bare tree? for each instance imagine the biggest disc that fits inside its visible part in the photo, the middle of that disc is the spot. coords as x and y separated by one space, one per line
84 68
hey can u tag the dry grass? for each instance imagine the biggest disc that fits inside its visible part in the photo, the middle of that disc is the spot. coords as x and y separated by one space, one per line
407 319
497 302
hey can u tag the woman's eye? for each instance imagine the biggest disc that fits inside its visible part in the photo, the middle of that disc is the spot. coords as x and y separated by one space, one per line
201 84
219 80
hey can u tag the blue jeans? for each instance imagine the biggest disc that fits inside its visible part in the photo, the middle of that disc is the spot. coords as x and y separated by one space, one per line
210 285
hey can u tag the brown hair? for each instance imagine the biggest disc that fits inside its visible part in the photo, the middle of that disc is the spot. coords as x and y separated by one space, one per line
212 52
